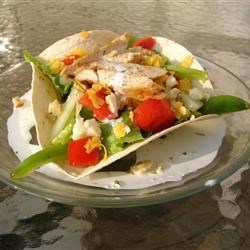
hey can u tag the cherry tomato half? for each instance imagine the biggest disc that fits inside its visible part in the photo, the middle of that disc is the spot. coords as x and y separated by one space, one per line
70 59
146 42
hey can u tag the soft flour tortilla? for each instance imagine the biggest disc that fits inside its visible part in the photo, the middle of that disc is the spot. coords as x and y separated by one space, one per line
44 91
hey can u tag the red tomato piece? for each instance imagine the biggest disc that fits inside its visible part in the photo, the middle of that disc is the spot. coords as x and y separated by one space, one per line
70 59
154 115
146 42
78 156
85 101
101 113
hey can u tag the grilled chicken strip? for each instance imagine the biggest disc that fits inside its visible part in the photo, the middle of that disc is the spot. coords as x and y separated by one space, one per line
119 44
88 75
133 55
131 85
151 72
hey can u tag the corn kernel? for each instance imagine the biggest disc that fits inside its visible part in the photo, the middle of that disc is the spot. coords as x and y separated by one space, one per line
184 85
155 60
187 61
79 52
17 102
177 109
85 34
55 65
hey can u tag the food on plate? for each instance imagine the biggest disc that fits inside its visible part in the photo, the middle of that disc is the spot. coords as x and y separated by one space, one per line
98 96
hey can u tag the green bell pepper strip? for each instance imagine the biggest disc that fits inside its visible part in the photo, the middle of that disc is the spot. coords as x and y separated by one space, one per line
222 104
33 162
187 73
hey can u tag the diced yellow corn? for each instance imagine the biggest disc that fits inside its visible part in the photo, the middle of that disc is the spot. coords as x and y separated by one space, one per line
154 60
92 143
187 61
79 52
85 34
55 65
17 102
179 109
184 85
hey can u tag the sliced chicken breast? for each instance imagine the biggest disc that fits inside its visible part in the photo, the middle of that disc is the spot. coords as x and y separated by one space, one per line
131 85
119 44
147 71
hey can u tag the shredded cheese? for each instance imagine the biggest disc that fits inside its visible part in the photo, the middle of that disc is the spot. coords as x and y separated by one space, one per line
92 143
131 115
184 85
97 87
97 102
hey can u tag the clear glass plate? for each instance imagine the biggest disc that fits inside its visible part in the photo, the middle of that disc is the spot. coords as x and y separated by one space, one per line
234 152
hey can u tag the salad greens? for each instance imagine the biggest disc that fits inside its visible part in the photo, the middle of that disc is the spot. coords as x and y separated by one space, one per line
62 83
65 135
86 113
132 40
114 144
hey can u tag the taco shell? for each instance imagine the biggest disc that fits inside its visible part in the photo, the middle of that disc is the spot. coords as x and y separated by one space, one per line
44 92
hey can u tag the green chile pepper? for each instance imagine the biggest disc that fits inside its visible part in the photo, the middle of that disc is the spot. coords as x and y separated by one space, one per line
224 104
187 73
38 159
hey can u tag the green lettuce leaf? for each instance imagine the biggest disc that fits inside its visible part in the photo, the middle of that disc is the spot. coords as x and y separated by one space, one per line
62 83
65 135
114 144
132 40
86 113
